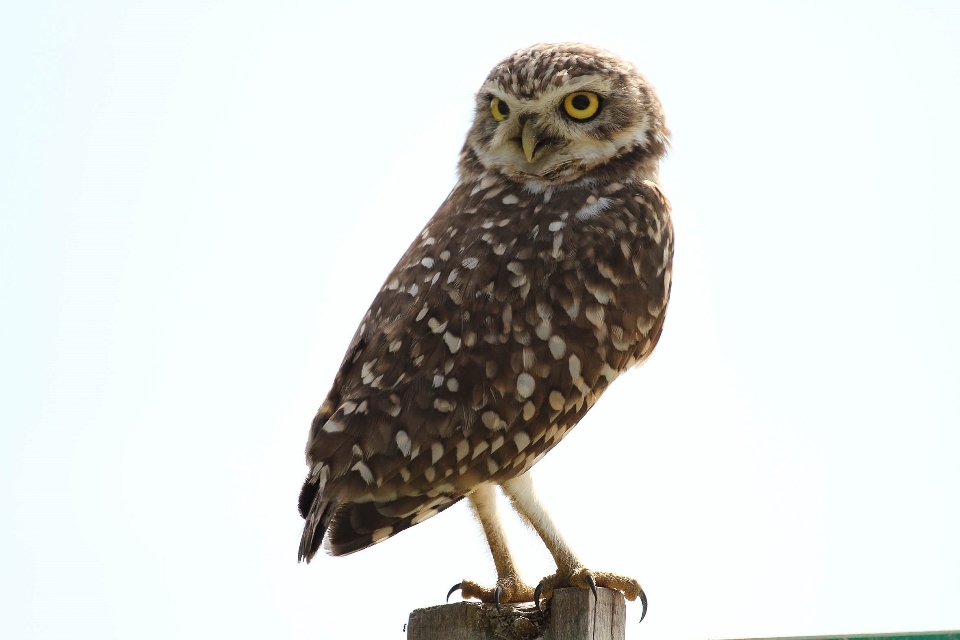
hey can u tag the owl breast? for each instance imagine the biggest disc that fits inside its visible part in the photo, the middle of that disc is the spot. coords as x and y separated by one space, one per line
505 320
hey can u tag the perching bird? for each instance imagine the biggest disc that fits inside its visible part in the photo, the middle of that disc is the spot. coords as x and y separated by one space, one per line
543 276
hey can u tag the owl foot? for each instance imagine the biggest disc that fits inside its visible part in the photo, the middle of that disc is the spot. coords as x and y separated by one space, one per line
506 591
586 579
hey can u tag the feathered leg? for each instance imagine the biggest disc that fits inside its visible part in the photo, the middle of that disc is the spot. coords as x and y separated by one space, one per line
570 571
509 587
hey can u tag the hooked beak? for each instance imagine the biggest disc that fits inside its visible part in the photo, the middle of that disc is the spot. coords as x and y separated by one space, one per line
533 141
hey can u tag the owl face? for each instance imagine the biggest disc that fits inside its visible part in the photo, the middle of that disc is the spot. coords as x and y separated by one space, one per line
552 114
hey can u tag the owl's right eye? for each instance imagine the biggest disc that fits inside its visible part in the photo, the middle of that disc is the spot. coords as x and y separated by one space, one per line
499 109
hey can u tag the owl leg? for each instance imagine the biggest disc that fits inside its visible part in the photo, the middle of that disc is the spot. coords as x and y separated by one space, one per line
509 587
570 571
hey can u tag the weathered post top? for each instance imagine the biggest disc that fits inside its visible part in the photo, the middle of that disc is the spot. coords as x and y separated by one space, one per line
572 614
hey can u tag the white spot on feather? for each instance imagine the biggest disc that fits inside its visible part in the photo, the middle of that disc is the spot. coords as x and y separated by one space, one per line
543 329
593 208
423 515
556 400
528 410
453 342
381 534
525 385
522 440
364 471
367 366
332 426
403 442
443 405
557 347
492 421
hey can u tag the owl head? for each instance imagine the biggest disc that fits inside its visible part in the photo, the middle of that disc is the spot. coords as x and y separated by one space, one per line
555 113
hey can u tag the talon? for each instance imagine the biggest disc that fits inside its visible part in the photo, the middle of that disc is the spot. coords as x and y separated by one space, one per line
460 585
536 596
643 601
497 592
593 586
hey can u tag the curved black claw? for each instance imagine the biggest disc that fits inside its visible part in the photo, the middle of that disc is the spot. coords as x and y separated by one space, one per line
536 596
643 601
454 588
593 586
497 592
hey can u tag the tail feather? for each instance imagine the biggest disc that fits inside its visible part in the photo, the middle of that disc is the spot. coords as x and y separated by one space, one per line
352 526
313 530
358 525
307 495
317 513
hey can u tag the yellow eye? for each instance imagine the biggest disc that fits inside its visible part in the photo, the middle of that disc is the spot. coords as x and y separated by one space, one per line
581 105
499 109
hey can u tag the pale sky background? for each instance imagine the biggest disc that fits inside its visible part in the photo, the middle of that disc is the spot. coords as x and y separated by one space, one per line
198 200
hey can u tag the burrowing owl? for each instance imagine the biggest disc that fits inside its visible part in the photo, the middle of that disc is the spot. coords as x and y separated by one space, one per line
543 277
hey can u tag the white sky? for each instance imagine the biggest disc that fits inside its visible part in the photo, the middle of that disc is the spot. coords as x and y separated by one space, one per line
198 201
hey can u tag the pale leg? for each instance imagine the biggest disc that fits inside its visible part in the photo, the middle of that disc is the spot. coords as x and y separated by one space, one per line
570 571
509 587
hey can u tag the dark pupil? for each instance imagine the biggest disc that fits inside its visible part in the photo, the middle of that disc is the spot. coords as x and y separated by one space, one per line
581 102
502 108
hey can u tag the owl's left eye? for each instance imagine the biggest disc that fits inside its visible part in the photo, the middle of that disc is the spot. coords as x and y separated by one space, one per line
581 105
499 109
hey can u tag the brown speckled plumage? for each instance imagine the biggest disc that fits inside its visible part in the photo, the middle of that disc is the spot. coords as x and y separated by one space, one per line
539 280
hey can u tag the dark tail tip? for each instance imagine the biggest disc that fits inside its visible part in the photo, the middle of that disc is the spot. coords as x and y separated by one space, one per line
307 495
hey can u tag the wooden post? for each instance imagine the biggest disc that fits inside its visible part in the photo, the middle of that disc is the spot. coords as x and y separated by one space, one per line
572 614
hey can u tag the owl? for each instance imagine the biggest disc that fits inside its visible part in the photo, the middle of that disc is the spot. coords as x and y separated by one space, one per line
542 278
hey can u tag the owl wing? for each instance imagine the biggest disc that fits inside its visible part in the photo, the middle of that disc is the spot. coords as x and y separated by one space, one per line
491 338
397 401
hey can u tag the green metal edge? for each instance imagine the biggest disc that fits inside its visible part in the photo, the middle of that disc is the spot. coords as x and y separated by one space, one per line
918 635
